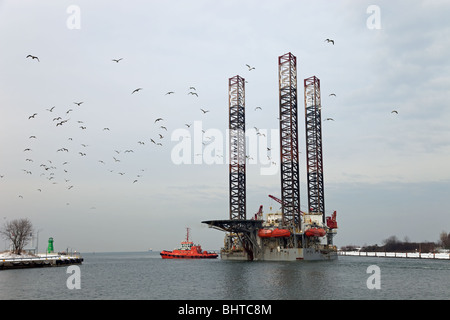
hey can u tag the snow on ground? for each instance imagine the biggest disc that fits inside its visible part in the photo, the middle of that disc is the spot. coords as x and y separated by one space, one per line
7 255
397 254
10 255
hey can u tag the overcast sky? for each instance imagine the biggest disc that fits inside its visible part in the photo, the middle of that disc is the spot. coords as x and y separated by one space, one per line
97 182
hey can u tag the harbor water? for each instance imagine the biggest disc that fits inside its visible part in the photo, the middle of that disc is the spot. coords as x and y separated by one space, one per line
145 276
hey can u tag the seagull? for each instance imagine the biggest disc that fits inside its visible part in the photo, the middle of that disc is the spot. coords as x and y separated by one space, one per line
258 108
162 127
116 60
204 111
170 92
159 119
51 109
332 94
188 125
136 90
250 68
330 40
329 119
78 103
193 93
32 57
32 116
394 111
192 88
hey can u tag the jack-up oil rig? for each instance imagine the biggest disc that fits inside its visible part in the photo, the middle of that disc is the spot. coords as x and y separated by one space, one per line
290 234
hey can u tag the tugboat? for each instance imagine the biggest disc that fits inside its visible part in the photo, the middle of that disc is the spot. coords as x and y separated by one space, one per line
188 251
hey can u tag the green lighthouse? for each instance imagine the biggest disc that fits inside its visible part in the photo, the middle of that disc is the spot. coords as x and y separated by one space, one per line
50 245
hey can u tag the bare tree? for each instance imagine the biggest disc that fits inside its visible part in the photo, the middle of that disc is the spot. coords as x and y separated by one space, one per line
445 239
19 232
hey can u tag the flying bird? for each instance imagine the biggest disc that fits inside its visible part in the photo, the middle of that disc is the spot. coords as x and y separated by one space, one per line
159 119
332 94
51 109
329 119
117 60
258 108
250 68
330 40
170 92
78 103
136 90
33 57
204 111
394 111
193 93
32 116
192 88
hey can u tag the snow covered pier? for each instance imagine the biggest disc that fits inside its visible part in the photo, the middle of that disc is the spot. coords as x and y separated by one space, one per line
415 255
8 261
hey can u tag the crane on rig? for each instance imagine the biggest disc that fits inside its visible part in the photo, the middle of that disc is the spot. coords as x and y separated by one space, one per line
281 202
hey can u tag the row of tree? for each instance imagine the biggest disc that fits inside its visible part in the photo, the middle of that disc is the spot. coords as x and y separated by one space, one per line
393 244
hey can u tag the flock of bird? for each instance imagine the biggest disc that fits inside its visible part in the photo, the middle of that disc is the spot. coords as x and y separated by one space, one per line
48 168
55 169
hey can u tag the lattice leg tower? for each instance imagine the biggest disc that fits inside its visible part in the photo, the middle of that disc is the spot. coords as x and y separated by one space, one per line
313 118
290 184
236 93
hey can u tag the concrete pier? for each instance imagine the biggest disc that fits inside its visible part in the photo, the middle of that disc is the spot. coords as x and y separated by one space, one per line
39 261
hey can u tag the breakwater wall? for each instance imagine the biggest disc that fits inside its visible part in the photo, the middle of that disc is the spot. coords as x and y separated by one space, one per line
412 255
39 261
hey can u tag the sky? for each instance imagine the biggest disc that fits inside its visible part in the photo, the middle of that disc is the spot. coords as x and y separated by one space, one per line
104 175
